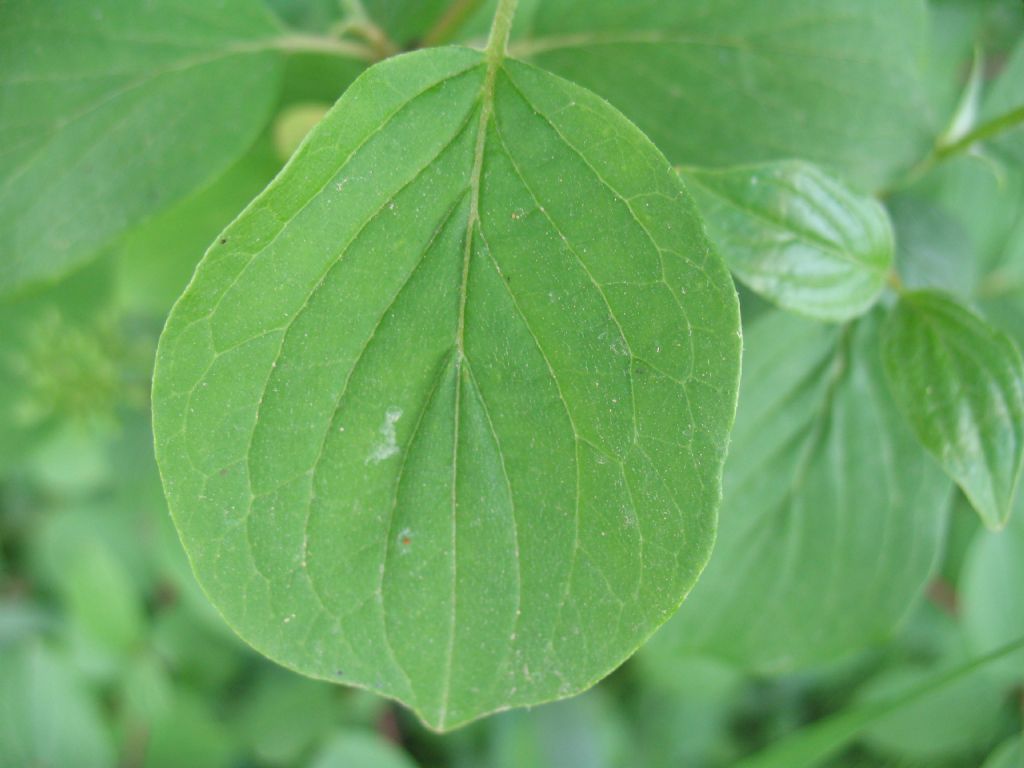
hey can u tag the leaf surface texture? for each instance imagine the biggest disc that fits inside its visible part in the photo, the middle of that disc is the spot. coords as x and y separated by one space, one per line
443 413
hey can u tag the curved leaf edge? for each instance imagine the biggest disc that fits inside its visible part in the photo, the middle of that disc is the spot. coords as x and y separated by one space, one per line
698 568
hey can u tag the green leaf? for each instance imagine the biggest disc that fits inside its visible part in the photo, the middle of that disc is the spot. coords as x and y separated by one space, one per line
1004 108
109 112
729 82
443 413
832 517
1010 754
284 715
189 733
46 717
684 709
960 384
407 21
797 236
931 246
954 719
992 592
356 749
585 732
813 744
102 599
155 260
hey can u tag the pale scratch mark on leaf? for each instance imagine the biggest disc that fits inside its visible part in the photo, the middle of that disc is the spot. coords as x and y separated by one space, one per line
388 447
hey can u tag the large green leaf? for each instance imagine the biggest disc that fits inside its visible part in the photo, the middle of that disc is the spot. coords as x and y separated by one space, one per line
110 111
443 413
797 236
960 384
155 260
832 517
727 82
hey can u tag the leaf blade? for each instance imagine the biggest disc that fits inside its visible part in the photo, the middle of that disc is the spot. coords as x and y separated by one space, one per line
439 439
813 744
797 236
137 110
813 514
960 384
799 76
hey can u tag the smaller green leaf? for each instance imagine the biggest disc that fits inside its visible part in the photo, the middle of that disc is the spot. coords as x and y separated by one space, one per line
960 384
797 236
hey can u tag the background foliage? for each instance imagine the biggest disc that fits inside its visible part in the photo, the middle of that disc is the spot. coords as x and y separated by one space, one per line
871 148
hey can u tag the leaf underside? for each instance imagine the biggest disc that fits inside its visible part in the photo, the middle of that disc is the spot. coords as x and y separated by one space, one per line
443 413
833 516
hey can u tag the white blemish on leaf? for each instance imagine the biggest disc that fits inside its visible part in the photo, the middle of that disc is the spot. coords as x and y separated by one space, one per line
389 446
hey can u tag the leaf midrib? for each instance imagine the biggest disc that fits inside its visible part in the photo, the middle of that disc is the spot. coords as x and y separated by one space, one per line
486 99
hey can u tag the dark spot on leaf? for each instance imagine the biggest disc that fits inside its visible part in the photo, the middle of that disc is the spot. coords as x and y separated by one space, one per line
223 241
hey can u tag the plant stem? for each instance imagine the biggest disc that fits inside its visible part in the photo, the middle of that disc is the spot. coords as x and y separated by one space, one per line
449 23
497 43
358 21
984 131
322 44
942 152
814 743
